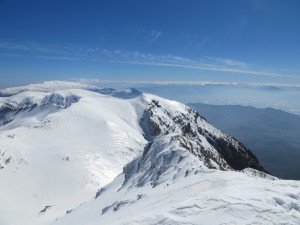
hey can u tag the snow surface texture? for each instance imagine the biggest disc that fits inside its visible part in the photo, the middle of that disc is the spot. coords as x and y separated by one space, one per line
59 145
207 197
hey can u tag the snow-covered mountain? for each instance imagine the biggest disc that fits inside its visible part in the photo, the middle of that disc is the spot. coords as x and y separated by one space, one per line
59 145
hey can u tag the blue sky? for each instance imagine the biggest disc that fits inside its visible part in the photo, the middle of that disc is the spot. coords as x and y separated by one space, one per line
254 41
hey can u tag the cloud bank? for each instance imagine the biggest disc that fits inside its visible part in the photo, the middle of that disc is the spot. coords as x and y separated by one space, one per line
94 54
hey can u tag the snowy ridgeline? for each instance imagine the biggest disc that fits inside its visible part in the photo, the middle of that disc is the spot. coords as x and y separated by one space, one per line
62 141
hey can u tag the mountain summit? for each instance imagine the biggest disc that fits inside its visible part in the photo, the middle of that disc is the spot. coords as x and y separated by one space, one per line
59 145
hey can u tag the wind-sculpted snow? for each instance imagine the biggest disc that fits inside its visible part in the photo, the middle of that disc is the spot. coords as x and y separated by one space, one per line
161 161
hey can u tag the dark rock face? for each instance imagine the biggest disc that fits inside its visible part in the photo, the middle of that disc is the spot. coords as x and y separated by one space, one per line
197 136
239 157
151 129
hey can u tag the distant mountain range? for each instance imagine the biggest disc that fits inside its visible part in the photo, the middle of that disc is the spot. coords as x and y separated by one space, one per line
273 135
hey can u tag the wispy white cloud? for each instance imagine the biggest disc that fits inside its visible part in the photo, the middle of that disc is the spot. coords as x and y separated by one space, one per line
195 41
79 53
31 47
169 82
11 54
218 69
155 34
228 62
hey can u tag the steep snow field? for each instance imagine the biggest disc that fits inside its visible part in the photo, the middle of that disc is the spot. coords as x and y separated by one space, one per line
63 143
58 154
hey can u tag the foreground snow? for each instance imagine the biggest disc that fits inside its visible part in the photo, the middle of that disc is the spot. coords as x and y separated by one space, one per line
209 197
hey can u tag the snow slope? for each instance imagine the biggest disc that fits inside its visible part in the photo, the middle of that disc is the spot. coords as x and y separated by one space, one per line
59 145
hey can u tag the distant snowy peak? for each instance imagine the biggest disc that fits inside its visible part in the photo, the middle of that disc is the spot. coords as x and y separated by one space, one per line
50 86
125 93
